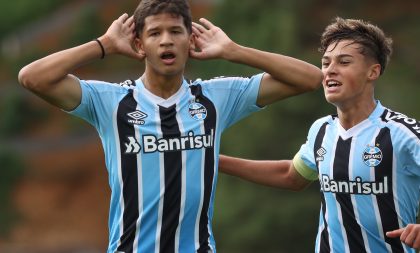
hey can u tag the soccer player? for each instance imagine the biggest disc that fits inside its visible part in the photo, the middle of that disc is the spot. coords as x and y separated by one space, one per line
366 158
161 133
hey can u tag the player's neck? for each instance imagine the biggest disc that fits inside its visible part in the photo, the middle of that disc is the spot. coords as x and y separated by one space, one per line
162 86
352 115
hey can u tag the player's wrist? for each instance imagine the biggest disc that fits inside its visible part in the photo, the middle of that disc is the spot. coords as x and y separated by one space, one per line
230 51
106 44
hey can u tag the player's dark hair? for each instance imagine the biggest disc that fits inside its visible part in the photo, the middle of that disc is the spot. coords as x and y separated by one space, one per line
153 7
373 40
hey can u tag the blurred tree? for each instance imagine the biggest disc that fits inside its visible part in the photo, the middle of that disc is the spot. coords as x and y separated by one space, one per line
14 14
11 169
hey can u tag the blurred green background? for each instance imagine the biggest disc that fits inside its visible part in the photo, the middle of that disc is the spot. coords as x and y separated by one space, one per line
53 184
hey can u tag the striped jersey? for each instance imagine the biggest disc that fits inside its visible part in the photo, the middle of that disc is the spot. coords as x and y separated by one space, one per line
162 157
369 177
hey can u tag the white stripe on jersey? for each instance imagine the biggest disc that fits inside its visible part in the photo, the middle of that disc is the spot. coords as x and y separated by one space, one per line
200 207
139 182
183 182
118 150
162 185
339 213
375 200
353 197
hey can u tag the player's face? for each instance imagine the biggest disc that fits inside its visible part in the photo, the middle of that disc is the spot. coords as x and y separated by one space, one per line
347 75
166 42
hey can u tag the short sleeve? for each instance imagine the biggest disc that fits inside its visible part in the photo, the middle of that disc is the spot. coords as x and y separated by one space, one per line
410 155
85 109
99 100
234 97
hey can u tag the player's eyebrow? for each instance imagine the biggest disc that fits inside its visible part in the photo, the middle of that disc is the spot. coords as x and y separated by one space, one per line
327 57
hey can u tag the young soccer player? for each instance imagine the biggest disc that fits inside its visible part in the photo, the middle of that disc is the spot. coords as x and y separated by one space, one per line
366 158
161 133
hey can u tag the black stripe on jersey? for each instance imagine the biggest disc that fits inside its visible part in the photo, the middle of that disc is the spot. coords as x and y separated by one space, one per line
412 124
173 181
385 201
129 175
325 242
209 124
341 173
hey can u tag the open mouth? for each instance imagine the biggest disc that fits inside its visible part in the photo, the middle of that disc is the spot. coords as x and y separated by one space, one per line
167 56
332 83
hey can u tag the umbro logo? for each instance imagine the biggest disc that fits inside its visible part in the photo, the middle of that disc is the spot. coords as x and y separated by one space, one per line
136 117
320 154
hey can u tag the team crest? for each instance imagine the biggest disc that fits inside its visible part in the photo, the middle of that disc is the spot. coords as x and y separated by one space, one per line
197 111
372 156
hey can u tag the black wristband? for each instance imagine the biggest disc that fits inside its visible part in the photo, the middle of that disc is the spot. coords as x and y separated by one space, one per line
102 48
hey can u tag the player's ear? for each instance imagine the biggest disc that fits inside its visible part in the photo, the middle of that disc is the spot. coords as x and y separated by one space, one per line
374 72
138 46
192 42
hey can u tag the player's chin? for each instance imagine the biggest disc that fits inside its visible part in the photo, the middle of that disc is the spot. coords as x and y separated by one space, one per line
332 99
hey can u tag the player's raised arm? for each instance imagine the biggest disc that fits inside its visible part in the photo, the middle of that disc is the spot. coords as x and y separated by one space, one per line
50 76
286 76
281 173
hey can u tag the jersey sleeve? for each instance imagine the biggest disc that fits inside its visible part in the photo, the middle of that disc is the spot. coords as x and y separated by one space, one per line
85 109
96 105
414 157
409 151
235 97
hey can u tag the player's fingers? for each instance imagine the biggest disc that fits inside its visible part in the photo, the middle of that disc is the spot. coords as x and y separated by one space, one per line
129 21
196 32
206 23
409 238
132 26
395 233
199 27
122 18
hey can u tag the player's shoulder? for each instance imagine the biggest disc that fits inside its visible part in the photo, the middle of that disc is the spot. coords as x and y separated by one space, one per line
222 81
104 85
399 122
326 120
320 124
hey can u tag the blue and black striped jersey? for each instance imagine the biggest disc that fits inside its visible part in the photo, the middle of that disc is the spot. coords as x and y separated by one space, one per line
369 177
162 157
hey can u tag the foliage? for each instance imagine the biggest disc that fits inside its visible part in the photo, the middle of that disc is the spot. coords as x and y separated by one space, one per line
11 169
20 12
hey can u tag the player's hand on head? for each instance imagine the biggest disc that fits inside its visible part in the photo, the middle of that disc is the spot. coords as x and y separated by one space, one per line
210 41
121 36
409 235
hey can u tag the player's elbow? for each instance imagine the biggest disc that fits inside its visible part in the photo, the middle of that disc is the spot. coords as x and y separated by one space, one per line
315 81
29 79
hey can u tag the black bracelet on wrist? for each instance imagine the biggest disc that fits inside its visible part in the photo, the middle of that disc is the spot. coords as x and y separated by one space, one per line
102 48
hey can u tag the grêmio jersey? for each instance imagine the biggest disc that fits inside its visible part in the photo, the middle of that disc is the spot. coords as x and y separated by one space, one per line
162 158
369 177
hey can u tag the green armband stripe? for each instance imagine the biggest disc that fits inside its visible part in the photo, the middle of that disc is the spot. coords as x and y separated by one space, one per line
303 169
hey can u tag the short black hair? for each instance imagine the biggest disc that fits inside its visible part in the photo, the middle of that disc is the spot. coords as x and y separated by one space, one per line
153 7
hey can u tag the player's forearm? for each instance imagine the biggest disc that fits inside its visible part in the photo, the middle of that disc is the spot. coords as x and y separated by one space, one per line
49 70
269 173
285 69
